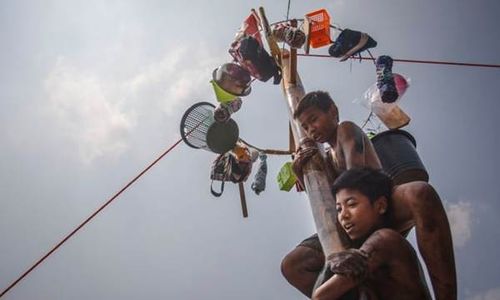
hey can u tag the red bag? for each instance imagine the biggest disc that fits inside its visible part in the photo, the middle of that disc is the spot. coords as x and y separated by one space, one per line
250 27
253 57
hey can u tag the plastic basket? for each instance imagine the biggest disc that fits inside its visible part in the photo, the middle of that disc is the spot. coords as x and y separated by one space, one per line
319 24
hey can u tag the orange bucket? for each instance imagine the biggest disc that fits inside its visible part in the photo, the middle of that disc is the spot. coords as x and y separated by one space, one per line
319 26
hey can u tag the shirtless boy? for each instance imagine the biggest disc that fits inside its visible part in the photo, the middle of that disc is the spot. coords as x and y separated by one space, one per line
382 264
415 204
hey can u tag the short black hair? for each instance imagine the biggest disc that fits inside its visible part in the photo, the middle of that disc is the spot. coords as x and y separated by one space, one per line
370 182
318 99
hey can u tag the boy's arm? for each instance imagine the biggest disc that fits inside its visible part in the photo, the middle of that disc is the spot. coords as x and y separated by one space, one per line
334 288
352 266
307 149
382 247
351 141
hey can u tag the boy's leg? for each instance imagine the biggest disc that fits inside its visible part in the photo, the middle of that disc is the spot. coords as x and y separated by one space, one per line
418 203
303 264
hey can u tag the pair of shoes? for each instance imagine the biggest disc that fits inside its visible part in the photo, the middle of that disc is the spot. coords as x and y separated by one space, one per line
294 37
385 79
349 43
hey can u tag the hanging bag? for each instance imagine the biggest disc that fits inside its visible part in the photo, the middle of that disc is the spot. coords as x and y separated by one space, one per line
227 168
250 54
221 168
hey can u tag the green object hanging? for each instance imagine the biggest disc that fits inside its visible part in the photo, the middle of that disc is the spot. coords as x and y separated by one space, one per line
286 177
221 95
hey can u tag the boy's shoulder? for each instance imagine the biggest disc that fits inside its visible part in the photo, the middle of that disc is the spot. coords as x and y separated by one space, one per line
348 125
386 240
388 234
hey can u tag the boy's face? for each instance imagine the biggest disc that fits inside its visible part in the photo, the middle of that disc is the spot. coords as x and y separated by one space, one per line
357 215
319 125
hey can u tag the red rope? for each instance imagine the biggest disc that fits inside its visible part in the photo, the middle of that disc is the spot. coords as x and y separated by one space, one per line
414 61
91 217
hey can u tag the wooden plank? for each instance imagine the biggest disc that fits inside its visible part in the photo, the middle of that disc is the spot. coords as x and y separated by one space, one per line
273 45
243 200
291 139
307 31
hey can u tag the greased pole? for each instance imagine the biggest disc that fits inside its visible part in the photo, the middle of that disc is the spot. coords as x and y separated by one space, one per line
316 181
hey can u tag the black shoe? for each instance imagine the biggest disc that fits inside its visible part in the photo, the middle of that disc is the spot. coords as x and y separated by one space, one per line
385 80
349 43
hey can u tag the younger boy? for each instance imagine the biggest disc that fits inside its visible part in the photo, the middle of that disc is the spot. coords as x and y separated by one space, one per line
383 265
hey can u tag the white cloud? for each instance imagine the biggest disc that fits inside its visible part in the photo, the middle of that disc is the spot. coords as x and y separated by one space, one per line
181 76
97 115
86 111
460 217
492 294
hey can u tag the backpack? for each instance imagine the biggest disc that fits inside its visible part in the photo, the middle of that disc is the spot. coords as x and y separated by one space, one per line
227 168
250 54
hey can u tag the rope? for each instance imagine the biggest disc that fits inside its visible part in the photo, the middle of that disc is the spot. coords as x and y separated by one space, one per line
94 214
414 61
367 119
288 10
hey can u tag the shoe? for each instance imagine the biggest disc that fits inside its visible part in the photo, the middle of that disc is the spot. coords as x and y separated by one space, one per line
349 43
279 32
385 79
294 37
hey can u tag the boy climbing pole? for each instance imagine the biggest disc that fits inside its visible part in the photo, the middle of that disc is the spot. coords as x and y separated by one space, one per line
381 264
415 204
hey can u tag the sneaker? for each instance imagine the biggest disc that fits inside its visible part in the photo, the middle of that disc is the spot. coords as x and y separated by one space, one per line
294 37
349 43
385 79
279 32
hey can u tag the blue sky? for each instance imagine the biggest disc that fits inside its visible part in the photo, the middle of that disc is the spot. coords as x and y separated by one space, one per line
93 91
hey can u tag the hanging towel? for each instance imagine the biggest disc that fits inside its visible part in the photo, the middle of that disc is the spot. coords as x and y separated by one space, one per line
259 182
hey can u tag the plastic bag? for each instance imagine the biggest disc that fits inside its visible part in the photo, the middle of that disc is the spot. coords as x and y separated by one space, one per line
372 94
389 113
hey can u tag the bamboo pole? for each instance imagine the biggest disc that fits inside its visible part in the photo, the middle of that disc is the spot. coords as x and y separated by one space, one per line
315 175
315 171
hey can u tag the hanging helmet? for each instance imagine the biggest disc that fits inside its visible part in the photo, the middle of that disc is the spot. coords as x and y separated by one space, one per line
233 79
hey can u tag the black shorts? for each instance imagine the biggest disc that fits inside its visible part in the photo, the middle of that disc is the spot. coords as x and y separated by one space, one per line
312 242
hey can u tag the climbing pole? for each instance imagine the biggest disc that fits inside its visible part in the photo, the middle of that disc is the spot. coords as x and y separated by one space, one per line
316 181
315 177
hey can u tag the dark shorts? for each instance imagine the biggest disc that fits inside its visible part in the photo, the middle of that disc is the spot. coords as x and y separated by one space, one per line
312 242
